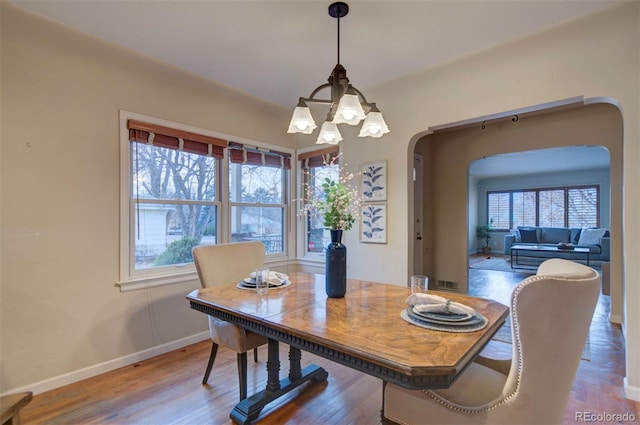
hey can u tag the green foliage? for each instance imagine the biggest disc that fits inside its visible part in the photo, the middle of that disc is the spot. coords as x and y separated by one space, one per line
482 232
211 229
338 206
178 252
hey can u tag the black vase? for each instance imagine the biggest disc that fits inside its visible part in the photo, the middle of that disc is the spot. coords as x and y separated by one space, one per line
336 266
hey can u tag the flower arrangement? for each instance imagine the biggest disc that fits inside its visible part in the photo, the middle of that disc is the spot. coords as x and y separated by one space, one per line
339 208
337 203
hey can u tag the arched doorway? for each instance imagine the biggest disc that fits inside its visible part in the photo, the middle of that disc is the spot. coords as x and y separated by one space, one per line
447 153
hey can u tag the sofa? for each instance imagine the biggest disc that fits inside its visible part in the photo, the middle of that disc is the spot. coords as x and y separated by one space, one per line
596 240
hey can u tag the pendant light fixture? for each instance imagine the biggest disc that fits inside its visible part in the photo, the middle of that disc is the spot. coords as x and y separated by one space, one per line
347 104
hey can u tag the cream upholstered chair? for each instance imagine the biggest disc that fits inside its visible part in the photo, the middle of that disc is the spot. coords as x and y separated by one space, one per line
223 264
550 317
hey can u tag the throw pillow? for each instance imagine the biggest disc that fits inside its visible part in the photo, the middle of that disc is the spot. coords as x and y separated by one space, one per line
555 235
528 235
591 236
576 239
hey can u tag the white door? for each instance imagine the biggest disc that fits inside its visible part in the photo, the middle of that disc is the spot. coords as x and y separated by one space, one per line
418 219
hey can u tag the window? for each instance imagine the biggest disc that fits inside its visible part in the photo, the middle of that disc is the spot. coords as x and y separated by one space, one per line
172 198
315 167
524 209
498 210
257 182
576 206
583 207
175 205
317 236
551 208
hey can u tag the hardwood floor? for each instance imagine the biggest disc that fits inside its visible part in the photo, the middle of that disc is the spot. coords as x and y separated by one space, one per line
167 390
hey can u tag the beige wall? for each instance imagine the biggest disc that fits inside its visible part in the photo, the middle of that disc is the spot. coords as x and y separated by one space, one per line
61 93
53 79
454 151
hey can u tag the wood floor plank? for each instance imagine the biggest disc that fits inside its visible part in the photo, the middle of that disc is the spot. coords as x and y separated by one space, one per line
166 389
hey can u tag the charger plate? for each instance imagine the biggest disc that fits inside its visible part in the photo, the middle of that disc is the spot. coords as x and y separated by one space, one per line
480 323
445 317
252 287
471 320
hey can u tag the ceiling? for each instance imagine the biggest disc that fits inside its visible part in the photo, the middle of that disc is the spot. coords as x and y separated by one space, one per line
282 50
565 159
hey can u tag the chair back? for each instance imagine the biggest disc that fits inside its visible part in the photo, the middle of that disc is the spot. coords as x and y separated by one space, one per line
227 263
550 317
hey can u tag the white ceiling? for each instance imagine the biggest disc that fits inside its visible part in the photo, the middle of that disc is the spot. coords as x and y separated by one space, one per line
281 50
563 159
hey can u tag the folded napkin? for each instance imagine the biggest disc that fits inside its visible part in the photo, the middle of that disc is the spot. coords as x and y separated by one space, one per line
427 303
275 278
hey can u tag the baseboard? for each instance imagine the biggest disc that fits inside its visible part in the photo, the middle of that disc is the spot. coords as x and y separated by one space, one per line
88 372
631 392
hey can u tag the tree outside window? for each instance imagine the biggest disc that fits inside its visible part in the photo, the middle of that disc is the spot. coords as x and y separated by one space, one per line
175 206
257 208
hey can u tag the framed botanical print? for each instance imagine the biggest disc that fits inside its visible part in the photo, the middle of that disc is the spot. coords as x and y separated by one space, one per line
373 222
374 181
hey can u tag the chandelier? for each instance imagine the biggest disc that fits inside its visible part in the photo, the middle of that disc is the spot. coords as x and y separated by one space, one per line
347 104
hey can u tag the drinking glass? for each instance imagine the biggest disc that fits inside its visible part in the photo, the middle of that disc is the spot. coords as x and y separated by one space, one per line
262 280
419 283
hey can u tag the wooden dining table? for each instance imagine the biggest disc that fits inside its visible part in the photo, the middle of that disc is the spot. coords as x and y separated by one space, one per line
363 330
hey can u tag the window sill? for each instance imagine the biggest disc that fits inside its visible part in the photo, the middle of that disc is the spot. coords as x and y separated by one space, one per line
138 283
135 284
311 260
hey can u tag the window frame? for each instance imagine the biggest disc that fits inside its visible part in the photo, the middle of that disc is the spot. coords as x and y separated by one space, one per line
284 205
538 190
129 279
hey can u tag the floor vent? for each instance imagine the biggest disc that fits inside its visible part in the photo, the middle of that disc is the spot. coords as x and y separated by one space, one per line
445 284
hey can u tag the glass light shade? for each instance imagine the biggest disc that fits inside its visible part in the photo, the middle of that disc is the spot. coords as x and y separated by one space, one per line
302 121
373 125
349 109
329 134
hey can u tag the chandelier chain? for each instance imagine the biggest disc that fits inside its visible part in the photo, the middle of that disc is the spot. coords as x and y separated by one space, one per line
338 19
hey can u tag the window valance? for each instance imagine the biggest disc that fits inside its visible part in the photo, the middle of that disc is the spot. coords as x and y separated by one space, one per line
320 157
171 138
241 154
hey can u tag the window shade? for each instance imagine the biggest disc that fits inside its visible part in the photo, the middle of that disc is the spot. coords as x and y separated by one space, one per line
171 138
320 158
498 206
240 154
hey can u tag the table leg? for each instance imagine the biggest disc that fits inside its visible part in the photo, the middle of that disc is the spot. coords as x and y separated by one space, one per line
273 366
513 264
295 372
249 409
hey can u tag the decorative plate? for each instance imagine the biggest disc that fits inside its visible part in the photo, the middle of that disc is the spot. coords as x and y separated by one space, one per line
445 317
470 321
447 327
252 287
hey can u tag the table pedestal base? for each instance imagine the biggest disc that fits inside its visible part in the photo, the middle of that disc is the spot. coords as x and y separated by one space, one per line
249 409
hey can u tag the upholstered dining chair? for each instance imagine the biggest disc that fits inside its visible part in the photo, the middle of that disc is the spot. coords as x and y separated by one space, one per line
223 264
550 317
